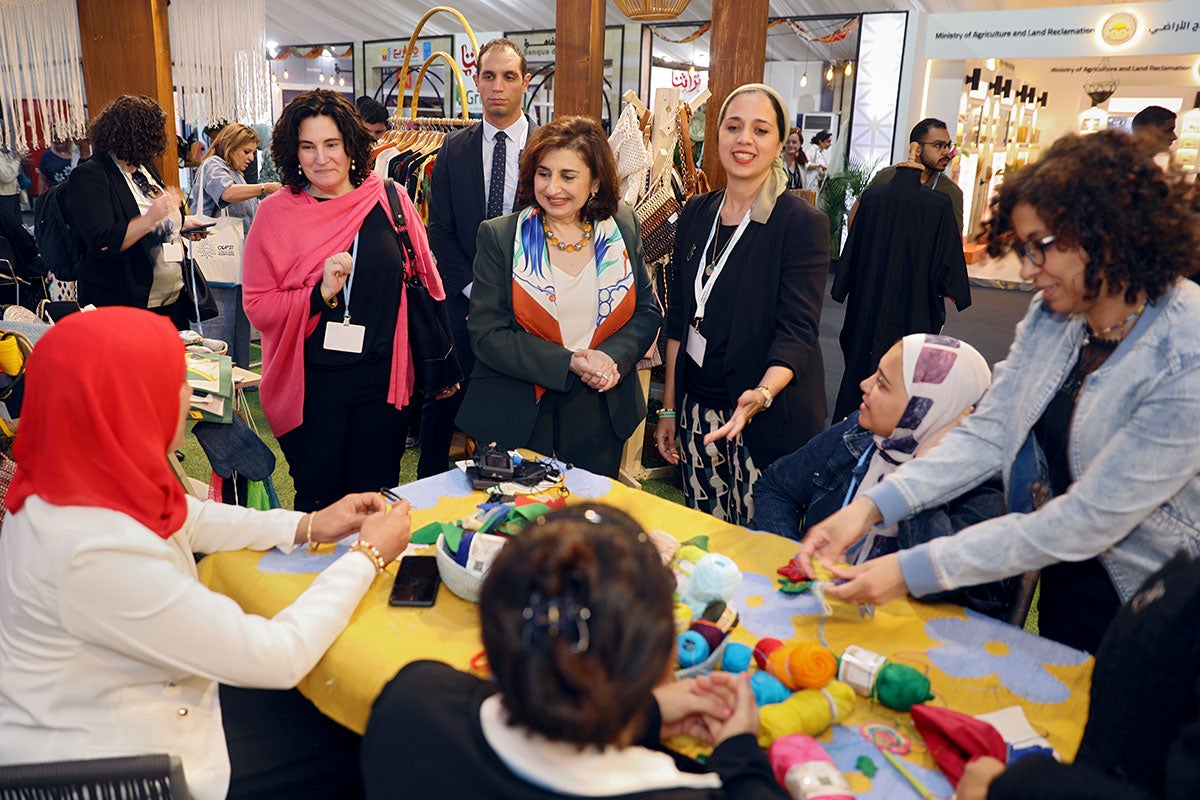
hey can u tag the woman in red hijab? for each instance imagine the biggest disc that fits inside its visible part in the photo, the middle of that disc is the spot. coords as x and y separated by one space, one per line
109 643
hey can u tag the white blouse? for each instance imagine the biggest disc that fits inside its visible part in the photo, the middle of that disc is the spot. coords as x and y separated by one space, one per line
578 302
111 646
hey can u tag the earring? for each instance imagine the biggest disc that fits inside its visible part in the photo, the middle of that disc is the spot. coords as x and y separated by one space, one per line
353 165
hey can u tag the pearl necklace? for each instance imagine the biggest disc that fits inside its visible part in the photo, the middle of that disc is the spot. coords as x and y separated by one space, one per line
554 241
1089 335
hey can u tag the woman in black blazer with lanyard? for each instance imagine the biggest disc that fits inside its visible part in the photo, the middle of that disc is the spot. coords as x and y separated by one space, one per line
128 218
751 262
561 308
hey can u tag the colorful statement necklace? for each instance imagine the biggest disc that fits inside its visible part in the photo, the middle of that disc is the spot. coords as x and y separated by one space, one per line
561 245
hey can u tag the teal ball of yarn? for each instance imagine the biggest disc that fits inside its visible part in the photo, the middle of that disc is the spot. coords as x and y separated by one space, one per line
768 689
715 577
692 649
737 657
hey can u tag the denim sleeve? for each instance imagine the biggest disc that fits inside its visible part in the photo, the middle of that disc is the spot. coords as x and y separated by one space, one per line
1143 465
783 493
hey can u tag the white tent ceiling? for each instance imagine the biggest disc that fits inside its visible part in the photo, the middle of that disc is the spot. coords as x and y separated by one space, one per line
329 21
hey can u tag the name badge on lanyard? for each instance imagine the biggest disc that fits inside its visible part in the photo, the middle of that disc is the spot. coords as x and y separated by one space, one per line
342 336
696 343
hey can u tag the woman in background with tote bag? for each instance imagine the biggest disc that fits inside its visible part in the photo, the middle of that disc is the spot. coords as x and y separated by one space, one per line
221 188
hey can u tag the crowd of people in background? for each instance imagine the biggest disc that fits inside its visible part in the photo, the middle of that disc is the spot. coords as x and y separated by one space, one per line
1075 457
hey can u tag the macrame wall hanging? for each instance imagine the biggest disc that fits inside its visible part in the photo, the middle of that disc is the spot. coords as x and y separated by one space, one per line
41 73
220 67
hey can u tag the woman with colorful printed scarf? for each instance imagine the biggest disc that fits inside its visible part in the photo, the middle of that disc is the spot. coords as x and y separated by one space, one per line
742 329
561 308
923 387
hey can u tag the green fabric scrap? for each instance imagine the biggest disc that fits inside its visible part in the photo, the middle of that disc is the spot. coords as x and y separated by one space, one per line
256 496
866 766
429 534
789 586
698 541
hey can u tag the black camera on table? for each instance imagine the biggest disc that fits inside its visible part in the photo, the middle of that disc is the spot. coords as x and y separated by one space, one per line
494 463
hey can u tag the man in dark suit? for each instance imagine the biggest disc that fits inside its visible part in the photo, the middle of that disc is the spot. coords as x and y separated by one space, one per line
471 184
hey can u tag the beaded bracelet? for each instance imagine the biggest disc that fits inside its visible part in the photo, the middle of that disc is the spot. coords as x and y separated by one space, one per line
666 413
308 539
372 552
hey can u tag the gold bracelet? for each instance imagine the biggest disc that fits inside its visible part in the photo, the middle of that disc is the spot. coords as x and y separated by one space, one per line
308 540
332 301
372 552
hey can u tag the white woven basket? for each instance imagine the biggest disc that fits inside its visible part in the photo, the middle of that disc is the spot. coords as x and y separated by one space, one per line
456 576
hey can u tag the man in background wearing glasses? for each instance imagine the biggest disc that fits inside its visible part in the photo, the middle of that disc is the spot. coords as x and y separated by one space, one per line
930 145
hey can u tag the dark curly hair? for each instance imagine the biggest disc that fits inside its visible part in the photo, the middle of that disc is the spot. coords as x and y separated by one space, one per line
570 680
132 127
285 143
1102 194
585 137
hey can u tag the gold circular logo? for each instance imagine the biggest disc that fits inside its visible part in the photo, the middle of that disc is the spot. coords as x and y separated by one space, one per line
1119 29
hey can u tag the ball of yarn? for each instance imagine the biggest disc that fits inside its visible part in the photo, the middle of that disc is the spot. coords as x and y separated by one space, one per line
692 648
803 665
900 687
809 711
715 577
811 769
737 657
763 649
767 689
683 617
713 636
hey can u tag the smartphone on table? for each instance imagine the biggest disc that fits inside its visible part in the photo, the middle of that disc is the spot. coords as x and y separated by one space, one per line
417 582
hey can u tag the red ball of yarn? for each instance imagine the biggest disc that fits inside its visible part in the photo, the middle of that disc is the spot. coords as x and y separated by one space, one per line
763 650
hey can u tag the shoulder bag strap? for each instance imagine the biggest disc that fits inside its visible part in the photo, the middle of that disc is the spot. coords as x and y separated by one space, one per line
401 225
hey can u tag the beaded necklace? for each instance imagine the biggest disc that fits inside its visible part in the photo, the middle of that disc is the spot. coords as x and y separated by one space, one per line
1089 335
555 242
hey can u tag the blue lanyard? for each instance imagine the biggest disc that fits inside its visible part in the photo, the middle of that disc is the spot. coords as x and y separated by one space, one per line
936 177
854 477
350 280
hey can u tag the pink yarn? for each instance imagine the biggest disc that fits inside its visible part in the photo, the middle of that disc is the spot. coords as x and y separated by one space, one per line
795 749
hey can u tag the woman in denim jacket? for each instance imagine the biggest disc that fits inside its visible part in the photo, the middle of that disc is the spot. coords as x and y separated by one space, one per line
1101 388
923 387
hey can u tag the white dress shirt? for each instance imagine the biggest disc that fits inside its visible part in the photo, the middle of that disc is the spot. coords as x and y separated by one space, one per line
111 646
518 134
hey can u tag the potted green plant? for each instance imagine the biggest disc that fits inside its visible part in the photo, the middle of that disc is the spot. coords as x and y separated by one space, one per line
838 194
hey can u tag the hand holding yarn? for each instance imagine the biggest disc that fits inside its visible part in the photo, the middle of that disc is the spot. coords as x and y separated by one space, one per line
873 582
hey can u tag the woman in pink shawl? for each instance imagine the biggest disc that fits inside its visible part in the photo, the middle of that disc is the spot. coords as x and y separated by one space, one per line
323 281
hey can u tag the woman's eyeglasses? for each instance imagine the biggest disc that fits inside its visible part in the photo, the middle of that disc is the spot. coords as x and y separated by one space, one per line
1034 249
144 186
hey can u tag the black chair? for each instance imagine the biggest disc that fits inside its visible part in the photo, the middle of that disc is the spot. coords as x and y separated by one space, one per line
156 777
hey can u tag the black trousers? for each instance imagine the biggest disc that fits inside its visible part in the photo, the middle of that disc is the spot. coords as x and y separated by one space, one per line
281 746
437 416
351 439
574 427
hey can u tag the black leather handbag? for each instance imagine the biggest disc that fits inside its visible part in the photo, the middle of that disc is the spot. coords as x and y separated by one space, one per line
200 301
429 337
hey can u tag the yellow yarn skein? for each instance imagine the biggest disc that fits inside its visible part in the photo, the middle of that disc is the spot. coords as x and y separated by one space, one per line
809 711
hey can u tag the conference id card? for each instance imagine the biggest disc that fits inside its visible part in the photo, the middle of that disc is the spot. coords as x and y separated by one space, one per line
696 345
344 337
172 252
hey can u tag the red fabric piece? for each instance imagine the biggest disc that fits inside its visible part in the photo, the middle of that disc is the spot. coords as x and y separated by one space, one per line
284 259
955 739
101 408
792 572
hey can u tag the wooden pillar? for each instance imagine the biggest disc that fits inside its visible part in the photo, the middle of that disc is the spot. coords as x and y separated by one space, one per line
127 50
579 58
739 52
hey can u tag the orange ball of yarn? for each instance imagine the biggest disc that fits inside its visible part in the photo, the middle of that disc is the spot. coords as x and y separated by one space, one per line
803 665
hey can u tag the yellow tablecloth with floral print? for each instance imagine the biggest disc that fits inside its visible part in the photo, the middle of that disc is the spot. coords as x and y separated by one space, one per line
975 664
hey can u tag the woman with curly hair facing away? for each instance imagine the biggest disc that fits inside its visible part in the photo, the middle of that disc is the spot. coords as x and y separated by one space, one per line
1093 420
128 217
576 622
322 277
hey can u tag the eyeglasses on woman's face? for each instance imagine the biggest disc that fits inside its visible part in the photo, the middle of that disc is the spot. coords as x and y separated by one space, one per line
1034 250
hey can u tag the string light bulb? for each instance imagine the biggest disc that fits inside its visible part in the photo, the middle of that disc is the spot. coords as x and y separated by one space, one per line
849 69
804 79
829 74
321 77
285 75
341 81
